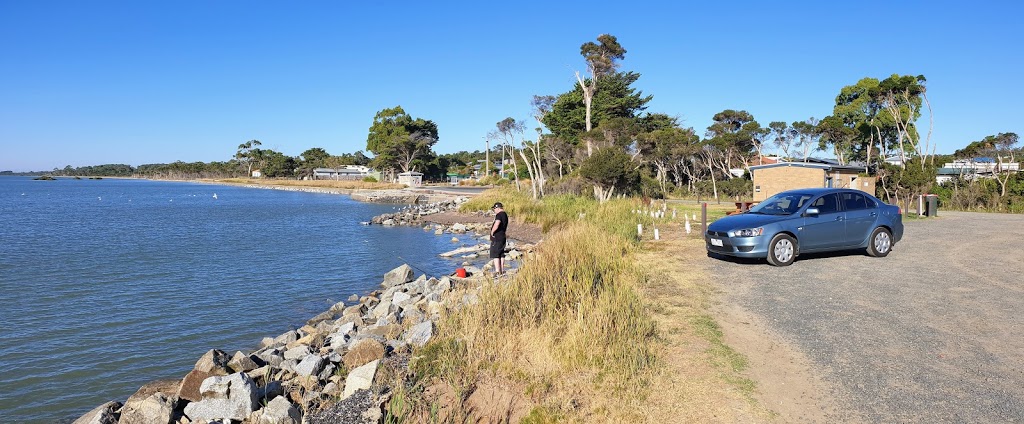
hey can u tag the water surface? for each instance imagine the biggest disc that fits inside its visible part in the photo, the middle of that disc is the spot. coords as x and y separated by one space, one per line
106 285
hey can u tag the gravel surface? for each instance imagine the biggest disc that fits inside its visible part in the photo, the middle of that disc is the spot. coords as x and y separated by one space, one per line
932 333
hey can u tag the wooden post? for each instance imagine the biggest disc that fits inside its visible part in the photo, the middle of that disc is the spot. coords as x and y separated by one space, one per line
704 216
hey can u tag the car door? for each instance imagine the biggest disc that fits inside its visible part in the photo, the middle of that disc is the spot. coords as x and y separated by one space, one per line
827 230
861 214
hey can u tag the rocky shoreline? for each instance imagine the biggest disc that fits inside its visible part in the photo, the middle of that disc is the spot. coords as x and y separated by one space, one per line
390 196
334 369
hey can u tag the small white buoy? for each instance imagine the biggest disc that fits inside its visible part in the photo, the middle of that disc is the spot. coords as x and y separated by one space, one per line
99 198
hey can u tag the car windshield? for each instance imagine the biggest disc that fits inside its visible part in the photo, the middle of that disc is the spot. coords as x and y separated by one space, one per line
781 204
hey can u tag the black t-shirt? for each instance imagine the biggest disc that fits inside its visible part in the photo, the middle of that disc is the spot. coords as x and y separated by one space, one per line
502 219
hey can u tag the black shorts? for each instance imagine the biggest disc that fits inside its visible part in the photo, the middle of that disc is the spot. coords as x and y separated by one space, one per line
497 247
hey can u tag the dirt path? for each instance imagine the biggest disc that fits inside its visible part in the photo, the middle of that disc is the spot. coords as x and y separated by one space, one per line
696 382
932 333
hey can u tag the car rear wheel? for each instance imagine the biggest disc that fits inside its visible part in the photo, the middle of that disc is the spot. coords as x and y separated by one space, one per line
881 243
782 250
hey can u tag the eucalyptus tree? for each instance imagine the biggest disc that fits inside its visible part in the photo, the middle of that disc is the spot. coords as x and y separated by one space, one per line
834 134
615 98
601 60
609 170
902 98
807 135
667 149
856 109
1003 148
782 137
507 131
399 141
247 154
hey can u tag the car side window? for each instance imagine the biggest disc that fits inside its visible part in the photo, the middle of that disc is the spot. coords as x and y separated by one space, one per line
854 201
828 203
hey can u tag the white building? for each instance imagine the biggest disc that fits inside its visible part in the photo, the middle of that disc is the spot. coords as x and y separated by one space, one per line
345 172
411 178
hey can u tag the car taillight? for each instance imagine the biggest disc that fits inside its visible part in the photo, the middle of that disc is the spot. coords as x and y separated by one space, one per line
899 210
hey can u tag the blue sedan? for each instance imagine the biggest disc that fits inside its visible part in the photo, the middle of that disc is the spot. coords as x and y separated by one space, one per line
808 220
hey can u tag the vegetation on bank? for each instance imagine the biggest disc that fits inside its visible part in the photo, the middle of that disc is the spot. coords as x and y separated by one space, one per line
570 332
341 184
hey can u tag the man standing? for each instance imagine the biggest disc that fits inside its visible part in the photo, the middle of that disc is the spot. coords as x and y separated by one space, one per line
498 238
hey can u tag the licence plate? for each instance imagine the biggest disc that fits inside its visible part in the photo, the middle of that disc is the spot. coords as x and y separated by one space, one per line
716 242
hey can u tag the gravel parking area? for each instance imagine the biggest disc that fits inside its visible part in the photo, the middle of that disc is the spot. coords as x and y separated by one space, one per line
932 333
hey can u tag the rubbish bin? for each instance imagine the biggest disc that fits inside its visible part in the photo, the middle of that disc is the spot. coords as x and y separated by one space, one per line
932 208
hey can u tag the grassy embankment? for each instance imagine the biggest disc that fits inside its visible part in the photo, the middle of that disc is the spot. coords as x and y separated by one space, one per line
330 184
578 335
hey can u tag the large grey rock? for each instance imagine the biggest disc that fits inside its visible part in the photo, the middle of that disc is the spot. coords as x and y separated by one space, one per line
288 337
323 316
346 328
360 379
420 333
400 275
458 228
385 308
310 365
229 397
354 310
338 307
413 315
158 408
242 362
278 411
400 298
271 356
443 285
297 352
103 414
152 403
214 362
363 352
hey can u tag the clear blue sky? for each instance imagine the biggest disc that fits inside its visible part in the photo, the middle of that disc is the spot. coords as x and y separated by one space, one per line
88 83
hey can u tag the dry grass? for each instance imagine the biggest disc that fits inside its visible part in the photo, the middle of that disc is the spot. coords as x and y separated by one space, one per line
344 185
570 327
601 326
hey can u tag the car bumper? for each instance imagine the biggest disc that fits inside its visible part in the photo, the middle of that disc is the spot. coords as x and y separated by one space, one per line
740 247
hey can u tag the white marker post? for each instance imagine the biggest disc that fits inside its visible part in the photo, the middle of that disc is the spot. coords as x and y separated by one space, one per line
656 235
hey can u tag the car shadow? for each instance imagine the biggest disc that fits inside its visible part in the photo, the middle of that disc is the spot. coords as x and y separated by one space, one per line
802 258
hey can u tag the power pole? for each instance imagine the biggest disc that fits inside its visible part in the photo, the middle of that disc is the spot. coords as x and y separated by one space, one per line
487 158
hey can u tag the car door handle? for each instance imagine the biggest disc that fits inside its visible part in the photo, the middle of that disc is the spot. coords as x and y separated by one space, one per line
874 213
839 218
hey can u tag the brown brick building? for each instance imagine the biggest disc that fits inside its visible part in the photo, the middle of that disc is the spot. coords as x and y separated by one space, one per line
778 177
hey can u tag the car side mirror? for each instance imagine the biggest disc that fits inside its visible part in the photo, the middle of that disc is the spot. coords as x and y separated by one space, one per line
811 212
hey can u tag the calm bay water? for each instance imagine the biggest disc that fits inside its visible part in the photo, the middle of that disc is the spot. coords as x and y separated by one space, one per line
106 285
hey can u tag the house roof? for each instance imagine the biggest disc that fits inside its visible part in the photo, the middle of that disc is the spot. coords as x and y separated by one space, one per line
411 173
824 167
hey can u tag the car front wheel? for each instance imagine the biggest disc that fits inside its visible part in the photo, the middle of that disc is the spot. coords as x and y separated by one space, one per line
881 243
782 250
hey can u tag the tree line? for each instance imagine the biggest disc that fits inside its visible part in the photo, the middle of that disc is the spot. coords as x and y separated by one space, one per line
599 138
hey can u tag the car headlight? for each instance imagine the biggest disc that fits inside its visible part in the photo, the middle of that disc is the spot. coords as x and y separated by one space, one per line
749 232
